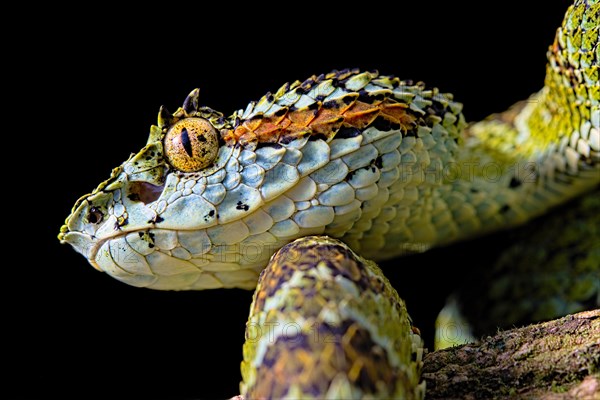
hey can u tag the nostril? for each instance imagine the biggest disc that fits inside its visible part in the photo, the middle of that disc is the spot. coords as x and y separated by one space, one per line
144 192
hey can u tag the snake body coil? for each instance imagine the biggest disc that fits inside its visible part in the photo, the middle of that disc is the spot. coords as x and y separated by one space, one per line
335 329
385 165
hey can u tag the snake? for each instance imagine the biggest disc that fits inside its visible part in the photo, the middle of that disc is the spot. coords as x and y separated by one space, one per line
321 178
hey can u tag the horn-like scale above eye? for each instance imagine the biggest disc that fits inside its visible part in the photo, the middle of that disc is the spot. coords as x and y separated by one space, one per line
191 144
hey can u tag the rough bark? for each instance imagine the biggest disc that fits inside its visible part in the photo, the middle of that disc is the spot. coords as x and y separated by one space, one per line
559 359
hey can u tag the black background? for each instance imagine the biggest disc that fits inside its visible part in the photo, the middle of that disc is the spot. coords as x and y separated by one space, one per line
94 87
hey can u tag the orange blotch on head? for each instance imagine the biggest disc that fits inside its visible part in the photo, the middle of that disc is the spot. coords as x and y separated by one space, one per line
228 136
361 114
253 124
231 136
302 117
247 138
269 130
295 124
327 123
279 116
396 112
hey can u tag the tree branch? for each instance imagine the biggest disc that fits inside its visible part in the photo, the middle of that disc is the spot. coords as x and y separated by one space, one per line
559 359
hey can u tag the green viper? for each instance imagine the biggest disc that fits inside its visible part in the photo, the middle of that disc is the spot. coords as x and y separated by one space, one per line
384 165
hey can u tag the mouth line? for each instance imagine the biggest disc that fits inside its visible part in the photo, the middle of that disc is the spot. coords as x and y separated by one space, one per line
97 243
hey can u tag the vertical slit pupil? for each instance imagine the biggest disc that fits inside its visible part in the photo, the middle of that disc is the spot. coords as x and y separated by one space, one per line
185 141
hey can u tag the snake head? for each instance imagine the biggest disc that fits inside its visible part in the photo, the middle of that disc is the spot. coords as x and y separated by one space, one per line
137 225
209 199
195 209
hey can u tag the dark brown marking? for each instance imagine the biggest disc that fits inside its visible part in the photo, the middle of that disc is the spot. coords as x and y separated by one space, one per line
241 206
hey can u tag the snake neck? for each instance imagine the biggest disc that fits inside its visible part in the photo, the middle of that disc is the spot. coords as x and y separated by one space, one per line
516 165
560 127
552 140
567 110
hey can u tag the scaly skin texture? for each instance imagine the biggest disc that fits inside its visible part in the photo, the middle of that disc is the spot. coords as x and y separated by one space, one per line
551 269
383 164
335 168
325 323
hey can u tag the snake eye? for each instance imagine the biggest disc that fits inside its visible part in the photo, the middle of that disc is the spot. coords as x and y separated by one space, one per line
95 216
191 144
